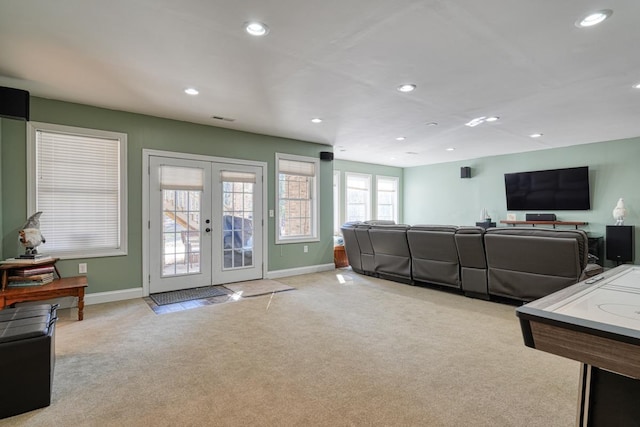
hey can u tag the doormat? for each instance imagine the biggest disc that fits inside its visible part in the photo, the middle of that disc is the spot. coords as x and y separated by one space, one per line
254 288
182 295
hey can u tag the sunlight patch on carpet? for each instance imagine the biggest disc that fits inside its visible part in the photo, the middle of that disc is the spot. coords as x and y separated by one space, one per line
254 288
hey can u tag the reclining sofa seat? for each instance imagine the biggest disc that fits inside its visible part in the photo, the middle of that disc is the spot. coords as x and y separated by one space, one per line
434 254
351 246
473 261
392 258
529 263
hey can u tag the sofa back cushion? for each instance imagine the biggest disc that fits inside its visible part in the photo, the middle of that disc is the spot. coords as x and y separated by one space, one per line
391 250
434 254
527 264
470 245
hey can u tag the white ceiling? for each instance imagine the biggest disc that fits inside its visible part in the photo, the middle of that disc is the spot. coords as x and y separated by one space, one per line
522 60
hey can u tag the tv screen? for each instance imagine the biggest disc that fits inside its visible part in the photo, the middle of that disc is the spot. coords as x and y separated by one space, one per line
556 189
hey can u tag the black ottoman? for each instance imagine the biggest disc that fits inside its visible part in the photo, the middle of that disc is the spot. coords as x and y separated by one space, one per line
27 358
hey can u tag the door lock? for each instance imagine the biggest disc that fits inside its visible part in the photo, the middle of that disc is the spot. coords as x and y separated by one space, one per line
208 221
207 229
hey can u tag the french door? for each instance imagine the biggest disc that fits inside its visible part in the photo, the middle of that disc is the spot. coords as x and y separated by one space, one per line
205 223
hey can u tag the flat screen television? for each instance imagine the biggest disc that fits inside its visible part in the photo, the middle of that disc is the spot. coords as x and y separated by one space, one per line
555 189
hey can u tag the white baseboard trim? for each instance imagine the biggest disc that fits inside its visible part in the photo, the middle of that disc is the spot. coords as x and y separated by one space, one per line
132 293
97 298
300 270
111 296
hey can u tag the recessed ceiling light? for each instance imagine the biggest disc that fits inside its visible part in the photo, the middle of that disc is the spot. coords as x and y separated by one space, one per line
476 121
406 88
491 119
535 135
256 28
636 86
594 18
316 120
191 91
432 124
400 138
450 149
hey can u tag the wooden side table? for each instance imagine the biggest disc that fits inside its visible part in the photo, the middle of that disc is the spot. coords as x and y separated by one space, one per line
60 287
340 257
65 287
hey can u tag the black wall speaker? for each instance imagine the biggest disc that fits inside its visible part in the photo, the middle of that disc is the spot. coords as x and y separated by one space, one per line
465 172
619 243
326 155
14 103
540 217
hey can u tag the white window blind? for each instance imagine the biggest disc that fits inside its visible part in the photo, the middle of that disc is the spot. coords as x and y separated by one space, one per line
294 167
79 188
235 176
181 178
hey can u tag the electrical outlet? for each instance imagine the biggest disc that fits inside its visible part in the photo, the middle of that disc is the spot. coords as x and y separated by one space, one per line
271 213
306 249
82 268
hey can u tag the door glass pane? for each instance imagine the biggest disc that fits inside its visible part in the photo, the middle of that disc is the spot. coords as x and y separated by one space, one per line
237 220
181 232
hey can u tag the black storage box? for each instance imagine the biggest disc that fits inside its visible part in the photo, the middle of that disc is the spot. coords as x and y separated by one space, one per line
27 358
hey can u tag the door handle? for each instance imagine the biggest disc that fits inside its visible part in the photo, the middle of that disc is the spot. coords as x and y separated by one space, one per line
207 230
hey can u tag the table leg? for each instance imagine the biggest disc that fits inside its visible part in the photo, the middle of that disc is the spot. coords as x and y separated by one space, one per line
80 303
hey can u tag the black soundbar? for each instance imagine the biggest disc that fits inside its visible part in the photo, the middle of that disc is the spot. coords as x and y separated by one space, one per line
540 217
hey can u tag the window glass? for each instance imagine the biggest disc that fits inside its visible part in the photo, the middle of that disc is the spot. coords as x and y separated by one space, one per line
297 201
358 197
387 198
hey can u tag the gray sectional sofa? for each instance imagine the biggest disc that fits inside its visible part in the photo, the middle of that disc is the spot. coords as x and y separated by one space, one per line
517 263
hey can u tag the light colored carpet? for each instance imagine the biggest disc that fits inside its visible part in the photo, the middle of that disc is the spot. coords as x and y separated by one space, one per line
342 350
257 287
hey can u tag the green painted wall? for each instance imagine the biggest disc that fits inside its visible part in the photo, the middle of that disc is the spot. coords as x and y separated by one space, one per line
145 132
374 170
436 194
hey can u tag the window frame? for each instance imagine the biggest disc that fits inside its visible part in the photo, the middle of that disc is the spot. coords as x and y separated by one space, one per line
314 236
396 181
32 129
336 203
368 207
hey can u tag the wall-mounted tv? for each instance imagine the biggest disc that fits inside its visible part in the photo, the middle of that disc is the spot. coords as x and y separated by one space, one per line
556 189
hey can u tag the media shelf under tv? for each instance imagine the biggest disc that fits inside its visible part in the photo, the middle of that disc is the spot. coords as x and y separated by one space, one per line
552 223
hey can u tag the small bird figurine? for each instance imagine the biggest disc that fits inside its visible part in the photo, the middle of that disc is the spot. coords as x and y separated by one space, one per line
30 236
619 212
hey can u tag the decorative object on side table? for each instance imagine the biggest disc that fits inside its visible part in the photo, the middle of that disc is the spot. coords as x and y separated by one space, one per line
619 212
485 220
30 236
484 215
